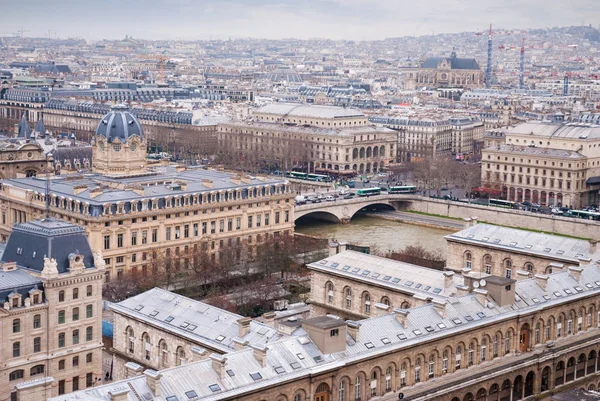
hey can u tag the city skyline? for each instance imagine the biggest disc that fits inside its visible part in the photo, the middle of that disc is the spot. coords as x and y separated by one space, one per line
271 19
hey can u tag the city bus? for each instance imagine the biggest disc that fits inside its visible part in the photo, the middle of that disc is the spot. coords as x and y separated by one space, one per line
503 203
369 191
318 177
296 174
406 189
583 214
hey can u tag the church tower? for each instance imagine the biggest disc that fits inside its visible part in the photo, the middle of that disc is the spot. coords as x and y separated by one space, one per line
119 146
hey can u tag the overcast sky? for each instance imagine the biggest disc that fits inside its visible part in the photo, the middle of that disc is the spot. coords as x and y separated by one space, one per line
275 19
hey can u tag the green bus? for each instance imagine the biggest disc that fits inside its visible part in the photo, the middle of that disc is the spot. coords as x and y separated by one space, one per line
368 191
583 214
318 177
406 189
503 203
296 174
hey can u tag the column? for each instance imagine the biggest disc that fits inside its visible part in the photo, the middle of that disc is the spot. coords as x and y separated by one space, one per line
511 392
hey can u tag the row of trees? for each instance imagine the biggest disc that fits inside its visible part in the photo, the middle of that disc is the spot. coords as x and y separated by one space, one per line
239 277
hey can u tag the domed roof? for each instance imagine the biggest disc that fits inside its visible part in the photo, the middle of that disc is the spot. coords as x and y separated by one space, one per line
119 123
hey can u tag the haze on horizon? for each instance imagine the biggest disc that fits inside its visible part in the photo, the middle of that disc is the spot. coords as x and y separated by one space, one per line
277 19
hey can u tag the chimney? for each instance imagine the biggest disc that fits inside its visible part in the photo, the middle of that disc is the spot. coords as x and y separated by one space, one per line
333 248
593 246
239 344
440 307
218 364
401 316
260 353
382 309
575 272
243 326
522 274
120 394
541 280
474 220
342 246
467 221
462 290
583 261
481 296
421 299
132 369
153 381
353 329
448 281
269 319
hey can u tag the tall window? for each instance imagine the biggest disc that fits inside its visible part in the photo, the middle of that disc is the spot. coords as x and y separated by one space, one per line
88 291
403 375
146 341
431 367
458 357
367 303
487 262
130 340
16 326
180 356
357 388
89 334
37 321
61 340
445 362
37 344
164 353
388 379
418 370
107 242
548 330
374 384
537 333
16 349
507 343
495 346
89 311
342 391
61 316
508 267
559 327
483 350
471 354
468 261
330 293
348 298
75 314
61 296
75 337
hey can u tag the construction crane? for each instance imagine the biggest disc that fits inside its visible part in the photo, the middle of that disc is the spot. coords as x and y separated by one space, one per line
488 71
522 67
161 66
19 33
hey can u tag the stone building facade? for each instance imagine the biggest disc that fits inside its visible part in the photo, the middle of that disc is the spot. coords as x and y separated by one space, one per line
137 214
513 253
51 322
547 163
496 338
439 72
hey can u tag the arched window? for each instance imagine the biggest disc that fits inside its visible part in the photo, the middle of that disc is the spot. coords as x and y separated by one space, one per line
130 340
164 353
445 362
36 370
348 294
468 260
537 333
418 370
529 269
16 374
342 390
357 392
403 374
373 384
508 268
147 345
386 301
549 330
483 350
330 292
298 397
471 356
180 356
487 264
388 379
496 344
458 357
367 302
559 326
507 343
431 367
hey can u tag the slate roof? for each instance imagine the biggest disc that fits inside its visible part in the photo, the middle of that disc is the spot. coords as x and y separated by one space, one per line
119 123
24 129
527 242
296 356
30 242
557 130
199 322
455 63
315 111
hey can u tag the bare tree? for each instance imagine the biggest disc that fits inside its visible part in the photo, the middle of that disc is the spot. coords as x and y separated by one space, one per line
468 176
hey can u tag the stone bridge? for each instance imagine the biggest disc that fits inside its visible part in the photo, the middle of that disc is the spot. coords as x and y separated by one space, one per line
342 210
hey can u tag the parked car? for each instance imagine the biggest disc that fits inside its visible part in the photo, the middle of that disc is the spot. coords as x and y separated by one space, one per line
329 198
556 211
348 196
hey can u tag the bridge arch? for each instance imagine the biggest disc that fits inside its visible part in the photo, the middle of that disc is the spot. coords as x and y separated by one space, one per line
320 215
342 211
